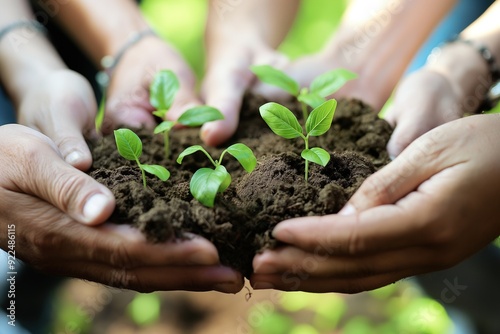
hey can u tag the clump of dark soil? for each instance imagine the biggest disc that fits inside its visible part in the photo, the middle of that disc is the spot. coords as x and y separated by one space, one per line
241 222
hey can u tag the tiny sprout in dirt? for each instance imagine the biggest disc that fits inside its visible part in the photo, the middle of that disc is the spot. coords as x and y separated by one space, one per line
284 123
162 94
206 183
322 86
130 147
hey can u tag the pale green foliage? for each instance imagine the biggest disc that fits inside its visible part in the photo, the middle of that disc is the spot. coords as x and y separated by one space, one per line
283 122
129 146
206 183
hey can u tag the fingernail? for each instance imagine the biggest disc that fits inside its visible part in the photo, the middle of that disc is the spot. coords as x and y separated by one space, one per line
347 210
74 157
265 269
392 157
203 258
94 207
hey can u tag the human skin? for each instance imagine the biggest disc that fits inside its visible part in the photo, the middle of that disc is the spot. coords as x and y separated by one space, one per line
60 213
452 83
433 206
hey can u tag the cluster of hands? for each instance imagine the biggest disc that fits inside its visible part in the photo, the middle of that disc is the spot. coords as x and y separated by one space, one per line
431 207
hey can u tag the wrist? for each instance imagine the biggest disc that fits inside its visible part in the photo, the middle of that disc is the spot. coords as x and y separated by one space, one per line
466 70
24 61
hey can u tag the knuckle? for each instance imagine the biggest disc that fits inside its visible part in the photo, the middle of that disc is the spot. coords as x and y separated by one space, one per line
67 186
125 279
375 189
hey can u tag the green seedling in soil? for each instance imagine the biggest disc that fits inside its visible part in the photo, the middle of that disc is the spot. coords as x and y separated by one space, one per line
130 147
162 93
206 183
284 123
321 87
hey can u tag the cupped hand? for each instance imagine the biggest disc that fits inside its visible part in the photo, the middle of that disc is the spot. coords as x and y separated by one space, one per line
430 208
62 106
422 101
58 213
128 92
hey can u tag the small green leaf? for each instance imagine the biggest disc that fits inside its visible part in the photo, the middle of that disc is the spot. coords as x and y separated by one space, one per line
206 183
128 143
311 99
275 77
159 171
164 126
198 116
160 113
320 119
316 155
163 89
281 120
99 117
330 82
244 155
188 151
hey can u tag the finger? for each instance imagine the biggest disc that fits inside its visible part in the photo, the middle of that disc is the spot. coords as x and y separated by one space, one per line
223 88
317 265
278 61
368 232
148 279
186 97
130 108
41 172
293 282
424 158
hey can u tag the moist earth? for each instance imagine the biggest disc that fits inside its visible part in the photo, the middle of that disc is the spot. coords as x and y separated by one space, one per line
243 217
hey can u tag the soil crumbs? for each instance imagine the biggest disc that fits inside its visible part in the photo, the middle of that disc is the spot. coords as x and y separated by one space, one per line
242 220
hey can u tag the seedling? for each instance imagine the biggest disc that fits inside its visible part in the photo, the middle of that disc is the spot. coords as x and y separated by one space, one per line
162 93
321 87
206 183
284 123
130 147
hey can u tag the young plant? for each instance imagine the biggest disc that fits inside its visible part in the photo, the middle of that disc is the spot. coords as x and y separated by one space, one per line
130 147
321 87
206 183
162 93
284 123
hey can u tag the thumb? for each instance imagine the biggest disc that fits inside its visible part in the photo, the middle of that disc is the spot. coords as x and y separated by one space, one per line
223 88
50 178
420 161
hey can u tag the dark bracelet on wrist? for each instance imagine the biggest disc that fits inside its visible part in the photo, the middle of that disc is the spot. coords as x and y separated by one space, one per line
109 62
492 97
30 24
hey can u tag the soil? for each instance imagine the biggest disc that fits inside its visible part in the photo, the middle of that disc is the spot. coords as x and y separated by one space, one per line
241 222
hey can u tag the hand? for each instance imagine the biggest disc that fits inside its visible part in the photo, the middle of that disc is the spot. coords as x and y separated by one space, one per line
432 207
128 93
423 101
62 106
55 209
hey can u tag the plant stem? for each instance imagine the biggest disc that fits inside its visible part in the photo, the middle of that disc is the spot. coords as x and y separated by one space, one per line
143 173
307 161
166 144
305 113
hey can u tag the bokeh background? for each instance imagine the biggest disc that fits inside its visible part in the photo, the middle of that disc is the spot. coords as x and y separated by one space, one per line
84 307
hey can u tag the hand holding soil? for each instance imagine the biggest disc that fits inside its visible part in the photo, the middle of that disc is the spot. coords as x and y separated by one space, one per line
426 211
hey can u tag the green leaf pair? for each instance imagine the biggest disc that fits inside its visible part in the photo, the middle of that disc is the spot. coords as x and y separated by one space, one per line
321 87
162 95
130 147
284 123
206 183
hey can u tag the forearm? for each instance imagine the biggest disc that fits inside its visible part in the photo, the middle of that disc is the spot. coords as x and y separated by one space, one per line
25 54
463 64
378 39
101 28
250 21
